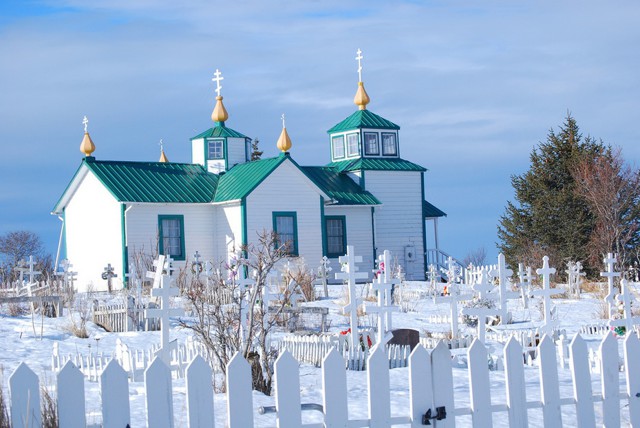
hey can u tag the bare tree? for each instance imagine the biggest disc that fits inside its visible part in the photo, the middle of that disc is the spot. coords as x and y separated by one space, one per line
476 257
19 245
218 309
612 189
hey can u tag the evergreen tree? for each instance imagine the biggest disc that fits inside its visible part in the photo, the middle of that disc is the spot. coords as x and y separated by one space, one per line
256 154
548 216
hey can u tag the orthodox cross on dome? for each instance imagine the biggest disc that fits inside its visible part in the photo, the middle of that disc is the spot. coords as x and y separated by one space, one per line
85 122
217 77
283 124
359 59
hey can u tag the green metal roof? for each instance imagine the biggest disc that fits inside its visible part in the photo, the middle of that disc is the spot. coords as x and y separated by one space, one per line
240 180
376 164
339 187
431 211
220 130
155 181
363 119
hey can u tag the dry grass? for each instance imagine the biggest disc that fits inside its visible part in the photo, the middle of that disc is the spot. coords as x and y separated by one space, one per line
17 309
5 421
49 409
591 287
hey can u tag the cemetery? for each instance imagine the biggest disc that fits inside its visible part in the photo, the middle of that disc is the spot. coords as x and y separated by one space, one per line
479 345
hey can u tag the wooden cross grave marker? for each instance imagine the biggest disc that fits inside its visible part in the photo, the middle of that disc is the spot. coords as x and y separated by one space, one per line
626 298
350 274
164 292
610 274
504 273
385 307
323 274
483 288
525 278
546 292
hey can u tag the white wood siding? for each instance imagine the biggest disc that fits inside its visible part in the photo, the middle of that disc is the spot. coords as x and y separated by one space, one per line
359 234
288 189
235 151
197 151
229 231
199 229
399 220
93 234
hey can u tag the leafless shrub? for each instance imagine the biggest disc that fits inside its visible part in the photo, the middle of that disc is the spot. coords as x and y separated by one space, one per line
5 421
80 313
48 409
17 309
304 277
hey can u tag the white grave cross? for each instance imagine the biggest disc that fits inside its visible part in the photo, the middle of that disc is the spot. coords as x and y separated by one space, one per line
383 284
546 292
453 298
626 298
504 273
525 277
610 261
483 288
350 274
165 292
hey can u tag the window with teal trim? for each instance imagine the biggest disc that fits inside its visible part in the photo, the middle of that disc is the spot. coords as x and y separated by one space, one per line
371 146
352 145
285 225
336 232
215 149
337 145
171 236
389 147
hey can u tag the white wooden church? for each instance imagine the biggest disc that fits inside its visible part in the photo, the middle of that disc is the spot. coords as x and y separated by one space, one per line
367 196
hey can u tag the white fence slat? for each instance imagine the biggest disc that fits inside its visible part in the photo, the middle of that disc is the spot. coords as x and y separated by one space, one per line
582 393
550 389
198 380
378 386
239 395
632 367
159 400
442 375
514 377
420 383
334 387
24 387
479 386
114 387
287 375
71 398
610 378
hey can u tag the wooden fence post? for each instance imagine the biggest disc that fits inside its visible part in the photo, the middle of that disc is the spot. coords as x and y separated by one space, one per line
582 393
514 378
610 378
420 384
550 389
632 367
239 395
288 391
479 386
24 387
334 388
159 399
114 386
71 398
378 386
198 380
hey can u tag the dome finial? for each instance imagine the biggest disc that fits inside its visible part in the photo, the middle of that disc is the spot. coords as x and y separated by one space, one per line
362 98
86 146
284 142
163 157
219 112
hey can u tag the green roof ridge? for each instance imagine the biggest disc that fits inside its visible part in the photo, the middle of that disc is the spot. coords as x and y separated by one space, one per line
339 187
363 119
218 131
243 178
376 164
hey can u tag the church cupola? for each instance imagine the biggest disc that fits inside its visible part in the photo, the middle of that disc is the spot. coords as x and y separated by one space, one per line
86 146
284 142
163 156
219 148
363 134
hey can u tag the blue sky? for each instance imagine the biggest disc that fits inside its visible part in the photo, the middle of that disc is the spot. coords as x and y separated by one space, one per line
473 85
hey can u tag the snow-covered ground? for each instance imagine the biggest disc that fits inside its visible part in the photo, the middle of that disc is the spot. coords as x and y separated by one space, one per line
19 343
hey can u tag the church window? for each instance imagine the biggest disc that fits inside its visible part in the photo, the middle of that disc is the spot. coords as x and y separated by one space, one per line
371 146
285 225
337 144
352 145
336 231
216 150
389 147
171 236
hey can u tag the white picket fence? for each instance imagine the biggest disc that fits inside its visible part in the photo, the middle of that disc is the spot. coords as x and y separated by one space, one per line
133 361
430 390
124 317
313 349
